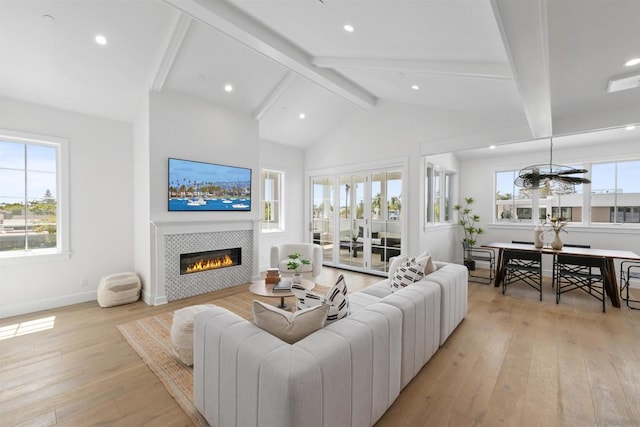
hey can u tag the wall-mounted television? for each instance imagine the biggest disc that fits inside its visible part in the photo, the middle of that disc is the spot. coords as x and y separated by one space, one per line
199 186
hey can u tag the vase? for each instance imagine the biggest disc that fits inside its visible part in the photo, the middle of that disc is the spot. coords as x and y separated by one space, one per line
537 236
557 243
297 278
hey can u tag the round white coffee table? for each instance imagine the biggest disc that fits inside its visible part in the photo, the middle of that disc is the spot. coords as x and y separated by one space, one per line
260 288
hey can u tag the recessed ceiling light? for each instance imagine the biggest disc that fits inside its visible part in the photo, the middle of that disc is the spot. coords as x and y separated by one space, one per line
632 62
492 147
101 40
48 18
630 127
415 87
228 88
302 116
202 77
349 28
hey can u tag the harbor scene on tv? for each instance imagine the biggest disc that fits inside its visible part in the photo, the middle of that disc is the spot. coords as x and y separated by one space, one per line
199 186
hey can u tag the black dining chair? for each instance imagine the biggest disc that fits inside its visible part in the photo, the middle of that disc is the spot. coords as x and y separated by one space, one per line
629 270
521 266
567 245
482 255
580 272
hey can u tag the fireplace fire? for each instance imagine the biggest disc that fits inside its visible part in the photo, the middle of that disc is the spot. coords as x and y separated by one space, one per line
196 262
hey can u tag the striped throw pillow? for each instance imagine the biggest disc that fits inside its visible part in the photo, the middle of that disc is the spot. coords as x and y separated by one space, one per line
336 298
408 273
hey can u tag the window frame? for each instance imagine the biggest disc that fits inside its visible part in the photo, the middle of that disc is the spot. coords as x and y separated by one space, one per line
438 203
280 223
587 194
61 250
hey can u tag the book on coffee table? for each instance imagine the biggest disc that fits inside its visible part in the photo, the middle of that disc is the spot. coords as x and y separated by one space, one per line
282 286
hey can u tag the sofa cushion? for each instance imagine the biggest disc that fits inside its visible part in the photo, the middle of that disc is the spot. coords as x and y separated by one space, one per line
336 298
380 289
406 274
426 260
289 327
359 300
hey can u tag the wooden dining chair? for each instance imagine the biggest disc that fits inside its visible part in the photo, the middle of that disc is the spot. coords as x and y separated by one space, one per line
580 272
522 266
629 270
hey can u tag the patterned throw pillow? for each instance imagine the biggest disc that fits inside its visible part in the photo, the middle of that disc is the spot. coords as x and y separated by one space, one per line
336 298
408 273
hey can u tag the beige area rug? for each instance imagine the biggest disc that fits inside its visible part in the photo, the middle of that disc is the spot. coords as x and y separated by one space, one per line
151 339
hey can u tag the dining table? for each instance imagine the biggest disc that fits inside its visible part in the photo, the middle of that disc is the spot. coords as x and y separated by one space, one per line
609 255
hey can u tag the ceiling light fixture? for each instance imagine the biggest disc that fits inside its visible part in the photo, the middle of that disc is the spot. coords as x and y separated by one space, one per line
228 88
543 175
630 127
349 28
632 62
101 40
302 116
492 147
415 87
48 18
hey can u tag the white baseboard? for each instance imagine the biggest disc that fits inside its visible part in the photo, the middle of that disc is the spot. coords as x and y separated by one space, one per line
45 304
153 301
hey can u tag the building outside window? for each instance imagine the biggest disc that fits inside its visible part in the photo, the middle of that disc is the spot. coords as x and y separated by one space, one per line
271 203
614 196
615 192
31 196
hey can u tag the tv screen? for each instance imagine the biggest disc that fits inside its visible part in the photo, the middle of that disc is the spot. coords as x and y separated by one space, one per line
199 186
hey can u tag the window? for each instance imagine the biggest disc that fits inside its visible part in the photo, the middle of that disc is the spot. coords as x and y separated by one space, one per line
32 190
437 184
271 203
516 204
615 192
513 204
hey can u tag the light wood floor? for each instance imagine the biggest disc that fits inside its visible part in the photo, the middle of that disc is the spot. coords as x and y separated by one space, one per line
513 361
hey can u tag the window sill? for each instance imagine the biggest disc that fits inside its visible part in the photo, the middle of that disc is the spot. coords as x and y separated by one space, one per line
32 257
593 228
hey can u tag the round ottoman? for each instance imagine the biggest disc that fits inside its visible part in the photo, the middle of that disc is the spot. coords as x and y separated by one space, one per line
182 332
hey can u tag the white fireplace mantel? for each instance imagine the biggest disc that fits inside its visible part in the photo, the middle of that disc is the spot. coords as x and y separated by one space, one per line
156 293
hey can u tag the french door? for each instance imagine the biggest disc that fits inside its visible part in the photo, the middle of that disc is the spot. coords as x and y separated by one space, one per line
357 218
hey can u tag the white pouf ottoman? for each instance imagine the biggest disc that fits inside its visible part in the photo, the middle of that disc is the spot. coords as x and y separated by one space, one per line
117 289
182 332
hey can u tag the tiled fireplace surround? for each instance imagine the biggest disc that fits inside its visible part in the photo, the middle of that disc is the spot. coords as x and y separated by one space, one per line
170 239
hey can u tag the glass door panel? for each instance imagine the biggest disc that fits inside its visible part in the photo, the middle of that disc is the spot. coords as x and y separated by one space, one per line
386 218
351 237
322 222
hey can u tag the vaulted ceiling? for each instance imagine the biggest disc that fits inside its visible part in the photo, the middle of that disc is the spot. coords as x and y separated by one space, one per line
543 65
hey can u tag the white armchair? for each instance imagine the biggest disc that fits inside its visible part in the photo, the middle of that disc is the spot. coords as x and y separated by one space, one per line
311 251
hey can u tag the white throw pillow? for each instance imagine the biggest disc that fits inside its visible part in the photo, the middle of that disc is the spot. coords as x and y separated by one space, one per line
289 327
426 260
336 298
408 273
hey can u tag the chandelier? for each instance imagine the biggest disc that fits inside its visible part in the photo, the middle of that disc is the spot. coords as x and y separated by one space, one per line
544 175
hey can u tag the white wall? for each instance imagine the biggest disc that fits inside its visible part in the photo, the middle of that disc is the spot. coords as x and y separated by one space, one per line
188 128
477 181
101 217
398 131
290 160
142 196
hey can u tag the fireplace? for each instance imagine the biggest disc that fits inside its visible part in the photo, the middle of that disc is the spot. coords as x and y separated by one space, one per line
196 262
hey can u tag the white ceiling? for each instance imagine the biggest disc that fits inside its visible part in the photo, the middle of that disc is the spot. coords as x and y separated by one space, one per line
542 64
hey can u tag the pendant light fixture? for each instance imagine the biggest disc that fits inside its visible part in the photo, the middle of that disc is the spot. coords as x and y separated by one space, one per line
544 175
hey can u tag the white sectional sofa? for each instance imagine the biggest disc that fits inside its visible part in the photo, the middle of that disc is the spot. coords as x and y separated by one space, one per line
346 374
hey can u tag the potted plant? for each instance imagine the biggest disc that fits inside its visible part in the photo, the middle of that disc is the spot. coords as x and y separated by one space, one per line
295 263
468 220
